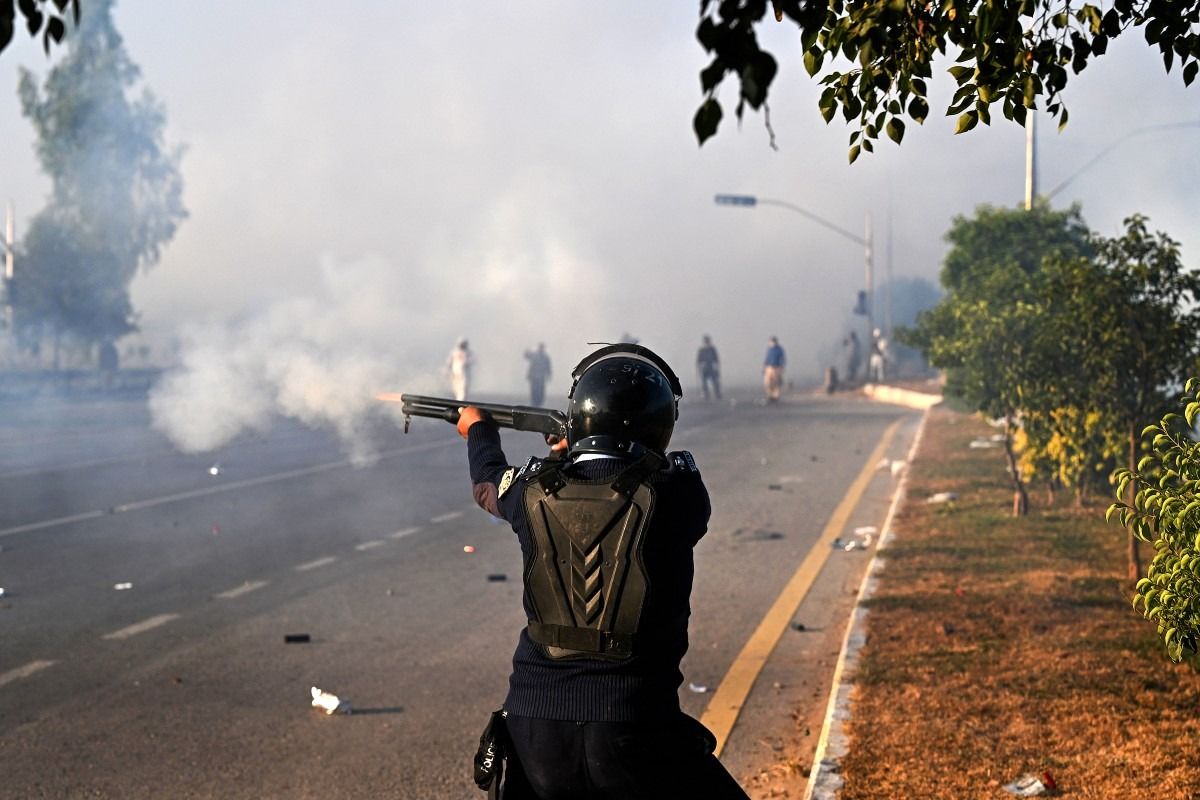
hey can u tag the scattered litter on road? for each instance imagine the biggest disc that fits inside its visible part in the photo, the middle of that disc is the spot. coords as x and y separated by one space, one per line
215 469
760 535
775 487
791 478
865 530
698 688
837 543
853 545
498 577
898 467
799 626
884 463
982 444
1032 786
997 437
296 638
120 587
468 548
329 703
942 497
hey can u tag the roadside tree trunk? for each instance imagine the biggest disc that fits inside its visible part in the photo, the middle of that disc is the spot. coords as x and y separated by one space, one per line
1020 496
1135 559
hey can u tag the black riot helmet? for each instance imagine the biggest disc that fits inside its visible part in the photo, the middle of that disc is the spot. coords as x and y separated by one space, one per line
624 400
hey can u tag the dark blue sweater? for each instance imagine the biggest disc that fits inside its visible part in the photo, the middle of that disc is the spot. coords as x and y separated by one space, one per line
645 686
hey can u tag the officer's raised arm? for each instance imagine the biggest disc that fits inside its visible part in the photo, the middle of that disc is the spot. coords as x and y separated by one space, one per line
488 463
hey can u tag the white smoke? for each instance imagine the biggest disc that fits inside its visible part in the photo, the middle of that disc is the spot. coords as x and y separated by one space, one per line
319 359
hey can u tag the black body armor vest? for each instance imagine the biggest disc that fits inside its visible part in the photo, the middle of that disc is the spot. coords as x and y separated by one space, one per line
584 577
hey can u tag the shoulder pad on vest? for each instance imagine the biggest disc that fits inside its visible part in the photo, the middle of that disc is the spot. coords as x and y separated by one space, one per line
682 460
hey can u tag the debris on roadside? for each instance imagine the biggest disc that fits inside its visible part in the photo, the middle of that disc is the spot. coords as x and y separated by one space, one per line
121 587
775 487
468 548
865 530
497 577
942 497
884 463
698 688
983 444
1032 786
296 638
329 703
898 467
799 626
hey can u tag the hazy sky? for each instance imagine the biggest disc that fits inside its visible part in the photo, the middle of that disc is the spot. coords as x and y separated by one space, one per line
398 174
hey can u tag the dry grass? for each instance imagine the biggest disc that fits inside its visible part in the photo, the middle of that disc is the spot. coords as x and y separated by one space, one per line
998 647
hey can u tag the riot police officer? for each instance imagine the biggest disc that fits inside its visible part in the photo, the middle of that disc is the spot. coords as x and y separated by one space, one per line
606 531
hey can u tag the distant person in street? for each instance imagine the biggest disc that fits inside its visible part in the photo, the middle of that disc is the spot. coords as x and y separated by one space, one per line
708 364
877 365
538 373
773 365
458 366
853 352
593 711
109 362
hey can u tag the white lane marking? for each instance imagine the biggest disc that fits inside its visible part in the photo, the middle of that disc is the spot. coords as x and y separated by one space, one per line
371 544
446 517
141 627
320 562
25 671
52 523
75 465
245 588
218 489
400 534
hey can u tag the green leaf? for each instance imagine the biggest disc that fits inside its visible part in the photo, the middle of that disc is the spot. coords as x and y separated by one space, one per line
966 122
918 109
813 58
854 151
707 118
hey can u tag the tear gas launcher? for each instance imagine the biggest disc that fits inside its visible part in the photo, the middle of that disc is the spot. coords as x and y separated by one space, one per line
546 421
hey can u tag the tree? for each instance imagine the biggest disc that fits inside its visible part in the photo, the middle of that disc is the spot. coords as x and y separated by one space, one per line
116 194
49 17
1137 335
994 332
1010 52
986 338
1159 503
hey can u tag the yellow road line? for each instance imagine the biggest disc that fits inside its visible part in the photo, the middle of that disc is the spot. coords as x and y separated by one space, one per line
727 701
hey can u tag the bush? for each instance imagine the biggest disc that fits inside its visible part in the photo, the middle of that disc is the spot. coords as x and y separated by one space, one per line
1166 513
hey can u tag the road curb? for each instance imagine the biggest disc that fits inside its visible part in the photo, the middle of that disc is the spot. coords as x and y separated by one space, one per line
900 397
825 780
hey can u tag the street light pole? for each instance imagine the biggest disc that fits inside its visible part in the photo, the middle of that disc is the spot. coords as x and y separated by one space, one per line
867 241
9 245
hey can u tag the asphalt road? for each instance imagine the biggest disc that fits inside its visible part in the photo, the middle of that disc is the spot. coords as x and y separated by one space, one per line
183 686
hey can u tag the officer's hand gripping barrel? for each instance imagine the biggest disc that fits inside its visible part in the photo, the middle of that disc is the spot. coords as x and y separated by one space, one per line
546 421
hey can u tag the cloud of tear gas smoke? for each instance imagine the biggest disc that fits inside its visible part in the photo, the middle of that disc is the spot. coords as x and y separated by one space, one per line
319 359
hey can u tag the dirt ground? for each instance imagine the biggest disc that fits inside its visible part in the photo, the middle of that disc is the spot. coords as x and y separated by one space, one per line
999 647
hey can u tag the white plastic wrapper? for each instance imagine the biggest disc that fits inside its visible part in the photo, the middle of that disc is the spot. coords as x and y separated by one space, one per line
329 703
1027 786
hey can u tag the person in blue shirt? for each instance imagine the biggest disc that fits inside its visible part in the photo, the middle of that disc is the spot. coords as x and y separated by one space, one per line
773 366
